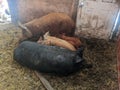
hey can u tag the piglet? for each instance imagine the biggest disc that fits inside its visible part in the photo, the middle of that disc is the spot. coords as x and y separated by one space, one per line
72 40
50 40
49 59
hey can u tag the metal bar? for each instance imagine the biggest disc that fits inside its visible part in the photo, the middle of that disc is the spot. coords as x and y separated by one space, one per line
115 26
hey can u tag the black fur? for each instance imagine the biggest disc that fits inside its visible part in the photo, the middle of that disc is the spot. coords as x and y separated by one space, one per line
48 59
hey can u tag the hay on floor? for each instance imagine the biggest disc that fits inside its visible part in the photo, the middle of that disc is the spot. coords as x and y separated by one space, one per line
101 53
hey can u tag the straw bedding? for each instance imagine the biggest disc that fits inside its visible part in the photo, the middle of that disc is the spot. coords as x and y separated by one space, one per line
101 53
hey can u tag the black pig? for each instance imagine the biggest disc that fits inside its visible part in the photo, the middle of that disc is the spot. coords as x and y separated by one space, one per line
49 59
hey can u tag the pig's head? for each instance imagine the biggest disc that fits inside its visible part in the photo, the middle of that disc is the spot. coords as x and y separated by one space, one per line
80 62
80 51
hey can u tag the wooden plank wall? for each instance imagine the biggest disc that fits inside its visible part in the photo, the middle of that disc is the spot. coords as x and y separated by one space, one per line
29 9
96 18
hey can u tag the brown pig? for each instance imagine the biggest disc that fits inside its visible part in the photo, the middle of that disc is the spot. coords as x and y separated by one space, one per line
55 23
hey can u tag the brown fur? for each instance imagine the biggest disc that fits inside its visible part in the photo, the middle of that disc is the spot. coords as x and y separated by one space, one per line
55 23
73 40
50 40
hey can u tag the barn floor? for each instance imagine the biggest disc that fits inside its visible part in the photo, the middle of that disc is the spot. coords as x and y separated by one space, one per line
103 75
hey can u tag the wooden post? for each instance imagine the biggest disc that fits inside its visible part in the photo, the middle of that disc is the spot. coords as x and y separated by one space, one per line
13 10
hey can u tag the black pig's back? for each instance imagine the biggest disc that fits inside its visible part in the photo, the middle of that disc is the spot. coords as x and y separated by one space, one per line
45 58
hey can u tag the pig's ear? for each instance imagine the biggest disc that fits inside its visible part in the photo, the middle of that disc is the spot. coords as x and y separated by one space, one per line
46 34
80 51
78 60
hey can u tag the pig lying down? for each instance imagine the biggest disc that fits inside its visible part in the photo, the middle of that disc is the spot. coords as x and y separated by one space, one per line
72 40
49 59
54 41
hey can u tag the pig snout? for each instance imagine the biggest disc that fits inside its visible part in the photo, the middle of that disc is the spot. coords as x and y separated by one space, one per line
81 63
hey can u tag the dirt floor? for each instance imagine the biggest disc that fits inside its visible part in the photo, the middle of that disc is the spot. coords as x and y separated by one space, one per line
103 75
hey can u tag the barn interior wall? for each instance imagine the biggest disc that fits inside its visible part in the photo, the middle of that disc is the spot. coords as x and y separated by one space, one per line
26 10
96 18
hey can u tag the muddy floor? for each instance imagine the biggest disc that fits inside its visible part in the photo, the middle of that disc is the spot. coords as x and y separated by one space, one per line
103 75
